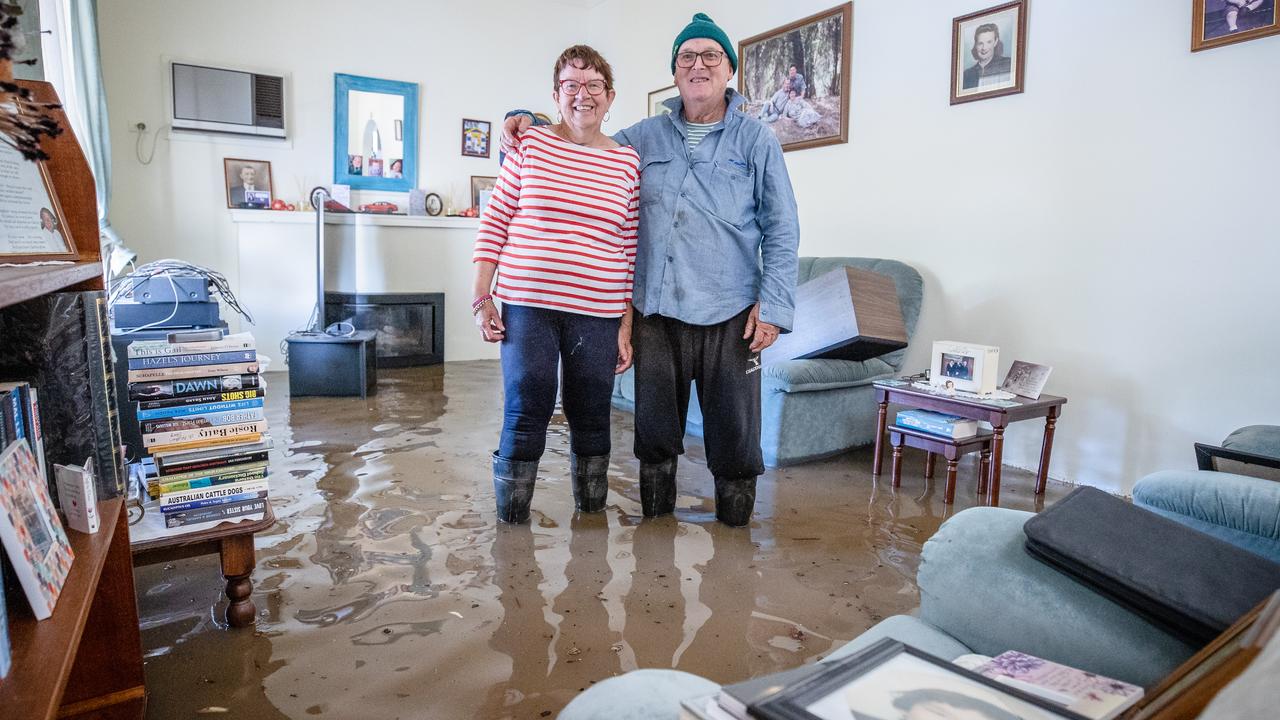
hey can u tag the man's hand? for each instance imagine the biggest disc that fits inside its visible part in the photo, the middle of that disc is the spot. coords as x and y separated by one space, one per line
761 333
513 127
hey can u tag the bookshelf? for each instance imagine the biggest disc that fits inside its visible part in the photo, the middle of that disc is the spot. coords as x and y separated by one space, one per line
86 660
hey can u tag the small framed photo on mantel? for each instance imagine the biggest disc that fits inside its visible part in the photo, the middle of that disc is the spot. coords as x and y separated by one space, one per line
1222 22
248 183
988 52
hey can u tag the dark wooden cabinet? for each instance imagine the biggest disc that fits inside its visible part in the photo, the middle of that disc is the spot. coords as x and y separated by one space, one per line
86 659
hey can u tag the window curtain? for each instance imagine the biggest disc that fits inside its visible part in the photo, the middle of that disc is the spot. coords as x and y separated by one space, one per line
74 66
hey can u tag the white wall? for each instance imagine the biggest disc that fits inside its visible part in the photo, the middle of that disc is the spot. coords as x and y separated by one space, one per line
1115 221
467 63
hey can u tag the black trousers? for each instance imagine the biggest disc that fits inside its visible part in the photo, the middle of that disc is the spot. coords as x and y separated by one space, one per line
669 355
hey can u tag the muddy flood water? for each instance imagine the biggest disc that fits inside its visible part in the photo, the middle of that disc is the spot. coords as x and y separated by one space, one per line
388 590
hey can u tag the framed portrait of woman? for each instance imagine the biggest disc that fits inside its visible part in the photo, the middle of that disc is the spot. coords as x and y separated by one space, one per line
32 225
988 52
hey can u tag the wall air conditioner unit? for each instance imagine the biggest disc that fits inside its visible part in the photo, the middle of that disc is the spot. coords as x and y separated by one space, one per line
224 100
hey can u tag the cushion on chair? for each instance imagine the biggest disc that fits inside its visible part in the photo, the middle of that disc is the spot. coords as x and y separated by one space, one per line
811 375
905 629
1242 510
1256 439
637 695
979 585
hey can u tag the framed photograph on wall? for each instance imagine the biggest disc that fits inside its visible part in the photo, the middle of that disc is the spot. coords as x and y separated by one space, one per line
248 183
32 226
658 97
475 138
481 188
988 52
796 78
1222 22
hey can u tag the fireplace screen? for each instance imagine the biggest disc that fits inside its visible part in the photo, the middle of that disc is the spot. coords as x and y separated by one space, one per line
410 327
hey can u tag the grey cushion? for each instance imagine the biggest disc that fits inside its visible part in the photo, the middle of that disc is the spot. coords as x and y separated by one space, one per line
1242 510
821 374
638 695
1256 439
979 585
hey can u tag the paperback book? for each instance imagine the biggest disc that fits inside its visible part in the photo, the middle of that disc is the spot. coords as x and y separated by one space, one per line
215 435
206 358
166 389
214 441
161 348
203 399
203 420
1093 696
184 461
204 409
215 513
174 500
194 371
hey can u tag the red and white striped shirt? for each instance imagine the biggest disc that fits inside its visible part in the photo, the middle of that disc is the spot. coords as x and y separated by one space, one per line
561 226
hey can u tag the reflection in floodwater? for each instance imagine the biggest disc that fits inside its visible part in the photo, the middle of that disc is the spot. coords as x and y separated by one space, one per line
387 590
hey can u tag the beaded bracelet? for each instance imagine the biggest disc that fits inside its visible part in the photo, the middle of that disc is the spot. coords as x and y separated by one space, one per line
479 302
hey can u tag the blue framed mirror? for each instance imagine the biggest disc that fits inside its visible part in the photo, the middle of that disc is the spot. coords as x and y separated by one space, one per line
375 133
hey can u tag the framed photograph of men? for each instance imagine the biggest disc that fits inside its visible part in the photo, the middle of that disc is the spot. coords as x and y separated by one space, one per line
988 52
658 97
248 183
796 78
1222 22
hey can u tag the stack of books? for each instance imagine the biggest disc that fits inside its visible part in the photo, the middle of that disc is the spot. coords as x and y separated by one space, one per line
936 423
200 411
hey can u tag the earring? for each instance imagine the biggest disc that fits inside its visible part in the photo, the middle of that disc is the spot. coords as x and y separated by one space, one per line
558 118
606 117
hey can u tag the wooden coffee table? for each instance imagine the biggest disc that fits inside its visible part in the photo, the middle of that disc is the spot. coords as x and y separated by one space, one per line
999 413
232 541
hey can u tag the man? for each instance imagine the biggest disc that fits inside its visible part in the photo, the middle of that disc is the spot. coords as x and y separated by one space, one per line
248 177
992 66
715 273
796 81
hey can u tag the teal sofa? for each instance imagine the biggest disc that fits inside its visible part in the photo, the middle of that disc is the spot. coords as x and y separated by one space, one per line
810 409
980 591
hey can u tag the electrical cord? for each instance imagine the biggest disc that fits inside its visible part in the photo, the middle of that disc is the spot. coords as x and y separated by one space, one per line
169 269
137 146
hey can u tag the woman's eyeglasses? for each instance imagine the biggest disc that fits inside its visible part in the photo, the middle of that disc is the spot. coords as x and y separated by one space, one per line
571 87
710 58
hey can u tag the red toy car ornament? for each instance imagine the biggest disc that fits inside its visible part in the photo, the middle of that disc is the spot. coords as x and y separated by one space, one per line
381 207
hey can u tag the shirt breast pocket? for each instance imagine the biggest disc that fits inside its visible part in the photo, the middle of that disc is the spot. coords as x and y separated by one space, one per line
734 191
654 171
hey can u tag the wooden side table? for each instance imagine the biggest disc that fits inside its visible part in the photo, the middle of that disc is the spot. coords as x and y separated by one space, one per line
948 448
999 413
232 541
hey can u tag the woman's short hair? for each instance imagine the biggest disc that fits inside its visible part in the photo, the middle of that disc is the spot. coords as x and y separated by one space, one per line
583 57
959 701
991 28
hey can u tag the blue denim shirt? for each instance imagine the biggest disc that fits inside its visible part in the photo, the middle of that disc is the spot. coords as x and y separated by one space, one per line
718 226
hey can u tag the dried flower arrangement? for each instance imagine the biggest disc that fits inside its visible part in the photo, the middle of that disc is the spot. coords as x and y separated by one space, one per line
23 121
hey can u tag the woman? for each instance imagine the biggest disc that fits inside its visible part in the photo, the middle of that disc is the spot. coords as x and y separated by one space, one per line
559 234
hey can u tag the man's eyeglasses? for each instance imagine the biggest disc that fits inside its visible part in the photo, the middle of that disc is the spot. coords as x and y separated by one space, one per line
710 58
571 87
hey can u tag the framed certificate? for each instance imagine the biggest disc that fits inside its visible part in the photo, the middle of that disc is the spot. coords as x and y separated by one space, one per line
32 226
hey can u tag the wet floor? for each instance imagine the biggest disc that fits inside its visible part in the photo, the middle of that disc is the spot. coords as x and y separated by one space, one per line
388 590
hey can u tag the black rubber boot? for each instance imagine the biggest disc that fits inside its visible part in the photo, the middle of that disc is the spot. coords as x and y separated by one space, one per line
590 481
513 487
658 488
735 499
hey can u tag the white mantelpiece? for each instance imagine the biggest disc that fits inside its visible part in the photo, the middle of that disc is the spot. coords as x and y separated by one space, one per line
363 254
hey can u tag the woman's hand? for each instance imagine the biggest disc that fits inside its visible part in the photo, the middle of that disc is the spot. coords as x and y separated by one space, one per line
624 349
490 323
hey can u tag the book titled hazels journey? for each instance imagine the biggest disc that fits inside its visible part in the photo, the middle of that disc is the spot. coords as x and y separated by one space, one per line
215 358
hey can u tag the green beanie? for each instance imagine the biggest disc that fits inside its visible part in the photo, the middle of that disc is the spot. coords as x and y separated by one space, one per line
704 27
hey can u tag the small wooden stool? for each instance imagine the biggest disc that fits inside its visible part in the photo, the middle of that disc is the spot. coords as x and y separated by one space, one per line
948 448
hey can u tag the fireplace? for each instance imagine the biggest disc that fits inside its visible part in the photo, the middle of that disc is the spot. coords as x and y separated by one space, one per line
410 326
